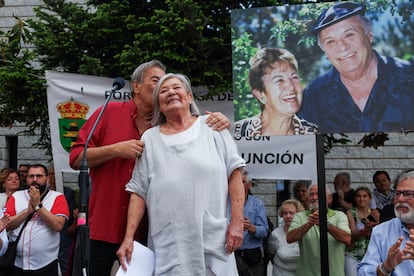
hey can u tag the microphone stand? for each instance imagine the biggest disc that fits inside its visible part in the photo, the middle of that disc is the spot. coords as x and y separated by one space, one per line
84 191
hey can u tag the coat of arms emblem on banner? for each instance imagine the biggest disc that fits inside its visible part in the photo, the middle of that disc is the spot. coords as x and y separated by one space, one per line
72 118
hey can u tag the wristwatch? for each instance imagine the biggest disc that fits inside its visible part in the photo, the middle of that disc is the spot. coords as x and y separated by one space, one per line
38 206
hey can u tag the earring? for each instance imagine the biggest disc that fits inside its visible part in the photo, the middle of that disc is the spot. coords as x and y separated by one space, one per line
263 100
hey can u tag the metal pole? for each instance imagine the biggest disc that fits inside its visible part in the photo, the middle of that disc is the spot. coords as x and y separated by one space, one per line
323 227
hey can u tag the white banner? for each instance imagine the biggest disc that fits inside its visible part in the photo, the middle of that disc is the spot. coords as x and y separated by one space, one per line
72 98
280 157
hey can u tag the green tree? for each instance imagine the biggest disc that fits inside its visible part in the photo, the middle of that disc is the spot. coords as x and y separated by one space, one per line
110 38
22 87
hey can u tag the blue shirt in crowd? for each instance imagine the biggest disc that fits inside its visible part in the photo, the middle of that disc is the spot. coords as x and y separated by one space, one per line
328 104
383 236
255 211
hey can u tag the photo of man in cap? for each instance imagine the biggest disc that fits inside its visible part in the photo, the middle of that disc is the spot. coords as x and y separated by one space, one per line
363 91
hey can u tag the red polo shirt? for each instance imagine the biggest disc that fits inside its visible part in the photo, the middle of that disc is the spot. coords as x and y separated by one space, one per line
108 202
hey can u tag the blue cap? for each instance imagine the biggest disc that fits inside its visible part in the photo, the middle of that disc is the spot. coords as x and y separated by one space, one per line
336 13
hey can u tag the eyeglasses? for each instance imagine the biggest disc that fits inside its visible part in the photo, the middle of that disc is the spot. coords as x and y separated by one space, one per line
408 194
32 176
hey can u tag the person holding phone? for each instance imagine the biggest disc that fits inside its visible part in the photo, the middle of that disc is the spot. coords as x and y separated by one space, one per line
361 221
249 257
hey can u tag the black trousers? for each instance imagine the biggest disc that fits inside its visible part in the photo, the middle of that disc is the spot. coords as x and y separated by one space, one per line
49 270
103 255
249 262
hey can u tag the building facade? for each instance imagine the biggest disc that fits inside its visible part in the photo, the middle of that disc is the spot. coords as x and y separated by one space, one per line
361 163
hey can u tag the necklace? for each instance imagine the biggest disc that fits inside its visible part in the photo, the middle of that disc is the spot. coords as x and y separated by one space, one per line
256 127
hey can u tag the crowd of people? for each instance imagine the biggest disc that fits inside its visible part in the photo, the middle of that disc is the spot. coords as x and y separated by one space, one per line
359 243
356 242
31 207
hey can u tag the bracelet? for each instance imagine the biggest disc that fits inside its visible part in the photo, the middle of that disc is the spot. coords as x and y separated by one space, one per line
383 270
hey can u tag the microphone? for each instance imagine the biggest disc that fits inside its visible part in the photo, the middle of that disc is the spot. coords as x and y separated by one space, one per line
119 83
84 185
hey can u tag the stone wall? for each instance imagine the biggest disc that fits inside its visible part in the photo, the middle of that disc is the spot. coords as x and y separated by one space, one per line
361 163
21 8
26 153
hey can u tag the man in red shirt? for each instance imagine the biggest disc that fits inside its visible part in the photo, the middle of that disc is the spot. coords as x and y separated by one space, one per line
111 156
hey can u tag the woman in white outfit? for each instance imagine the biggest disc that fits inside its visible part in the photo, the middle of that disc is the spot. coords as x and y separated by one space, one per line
190 179
286 255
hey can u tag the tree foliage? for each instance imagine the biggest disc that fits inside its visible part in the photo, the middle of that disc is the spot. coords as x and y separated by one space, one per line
22 87
111 37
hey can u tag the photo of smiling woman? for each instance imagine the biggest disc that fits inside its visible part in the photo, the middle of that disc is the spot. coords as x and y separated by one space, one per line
275 83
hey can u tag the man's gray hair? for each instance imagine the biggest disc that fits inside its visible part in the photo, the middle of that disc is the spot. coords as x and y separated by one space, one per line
159 118
328 190
139 72
407 174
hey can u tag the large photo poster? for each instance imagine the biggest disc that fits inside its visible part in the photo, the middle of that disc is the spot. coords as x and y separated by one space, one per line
334 67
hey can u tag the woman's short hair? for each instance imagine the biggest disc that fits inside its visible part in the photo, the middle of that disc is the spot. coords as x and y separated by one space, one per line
294 202
265 59
159 118
4 174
